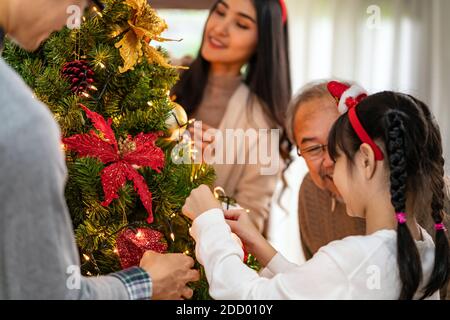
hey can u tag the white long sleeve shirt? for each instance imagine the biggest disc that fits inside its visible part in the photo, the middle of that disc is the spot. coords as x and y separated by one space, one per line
357 267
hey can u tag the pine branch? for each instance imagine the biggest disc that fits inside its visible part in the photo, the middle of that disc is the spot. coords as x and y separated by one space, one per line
137 101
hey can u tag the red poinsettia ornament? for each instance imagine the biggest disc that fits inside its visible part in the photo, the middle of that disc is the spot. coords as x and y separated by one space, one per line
132 244
122 158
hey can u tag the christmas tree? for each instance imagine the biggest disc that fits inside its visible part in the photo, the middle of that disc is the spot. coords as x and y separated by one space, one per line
108 87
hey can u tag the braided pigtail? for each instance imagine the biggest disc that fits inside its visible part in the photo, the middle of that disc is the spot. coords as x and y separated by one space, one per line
408 259
440 274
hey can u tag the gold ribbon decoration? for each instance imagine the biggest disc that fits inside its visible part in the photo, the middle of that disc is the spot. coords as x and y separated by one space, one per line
144 26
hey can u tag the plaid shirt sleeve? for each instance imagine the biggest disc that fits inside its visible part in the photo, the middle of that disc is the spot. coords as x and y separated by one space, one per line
137 282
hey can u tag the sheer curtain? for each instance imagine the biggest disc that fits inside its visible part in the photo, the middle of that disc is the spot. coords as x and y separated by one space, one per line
401 45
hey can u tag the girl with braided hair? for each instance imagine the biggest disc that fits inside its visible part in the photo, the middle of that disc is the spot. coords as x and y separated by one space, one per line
404 128
388 153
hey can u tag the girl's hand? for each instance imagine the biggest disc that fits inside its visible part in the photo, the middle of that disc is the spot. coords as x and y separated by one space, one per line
200 201
241 224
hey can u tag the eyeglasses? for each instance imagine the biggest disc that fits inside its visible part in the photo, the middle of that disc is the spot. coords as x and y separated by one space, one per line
313 152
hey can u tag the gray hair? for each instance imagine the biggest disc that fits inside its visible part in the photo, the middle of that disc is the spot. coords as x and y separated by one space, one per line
312 90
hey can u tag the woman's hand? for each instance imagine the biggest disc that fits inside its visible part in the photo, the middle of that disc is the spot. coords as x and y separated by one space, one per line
203 137
200 201
241 224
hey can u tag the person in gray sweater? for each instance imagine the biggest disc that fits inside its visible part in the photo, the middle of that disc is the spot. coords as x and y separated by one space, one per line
38 254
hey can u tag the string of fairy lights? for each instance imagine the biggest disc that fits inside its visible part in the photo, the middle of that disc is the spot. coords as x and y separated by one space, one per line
177 124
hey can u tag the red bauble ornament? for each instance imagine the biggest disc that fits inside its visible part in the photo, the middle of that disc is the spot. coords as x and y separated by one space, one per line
241 244
132 244
79 75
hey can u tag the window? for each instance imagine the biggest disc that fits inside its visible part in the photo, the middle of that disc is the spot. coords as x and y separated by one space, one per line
186 25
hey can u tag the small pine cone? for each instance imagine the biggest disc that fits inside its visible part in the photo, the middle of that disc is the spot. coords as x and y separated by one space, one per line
79 75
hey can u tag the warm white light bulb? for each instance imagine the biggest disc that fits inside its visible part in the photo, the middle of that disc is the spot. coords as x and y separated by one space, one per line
98 12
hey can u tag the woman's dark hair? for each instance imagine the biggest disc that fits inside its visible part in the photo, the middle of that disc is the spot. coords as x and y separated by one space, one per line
410 136
267 73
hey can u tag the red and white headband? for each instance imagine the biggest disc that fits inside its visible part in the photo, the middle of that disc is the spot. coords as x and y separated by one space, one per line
348 97
283 11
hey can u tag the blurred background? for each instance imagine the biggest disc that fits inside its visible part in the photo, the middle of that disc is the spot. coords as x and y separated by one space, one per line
400 45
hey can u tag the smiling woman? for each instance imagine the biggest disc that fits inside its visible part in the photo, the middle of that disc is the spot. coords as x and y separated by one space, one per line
241 80
231 37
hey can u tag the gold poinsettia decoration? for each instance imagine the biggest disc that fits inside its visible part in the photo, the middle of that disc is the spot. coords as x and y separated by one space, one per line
144 26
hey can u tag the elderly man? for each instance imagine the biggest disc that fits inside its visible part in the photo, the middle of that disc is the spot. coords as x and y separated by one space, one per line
36 236
322 214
